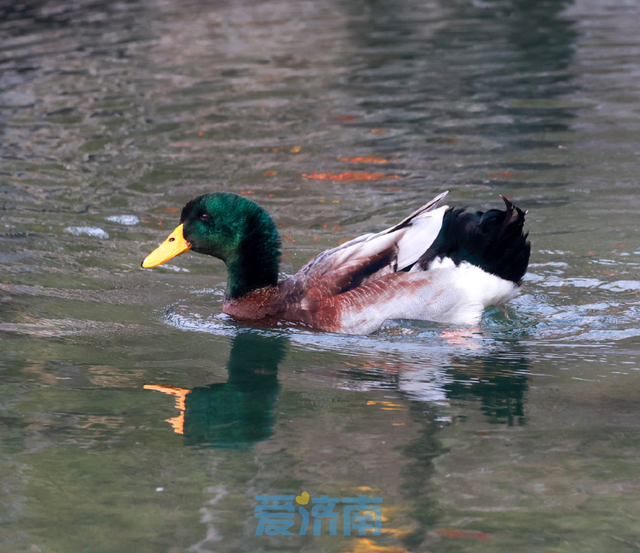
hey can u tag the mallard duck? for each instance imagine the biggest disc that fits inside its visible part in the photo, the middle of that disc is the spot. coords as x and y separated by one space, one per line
439 264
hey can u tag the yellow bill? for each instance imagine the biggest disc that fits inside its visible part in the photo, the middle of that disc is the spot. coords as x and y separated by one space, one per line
174 245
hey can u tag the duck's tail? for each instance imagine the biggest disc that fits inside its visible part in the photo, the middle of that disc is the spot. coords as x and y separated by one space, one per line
493 241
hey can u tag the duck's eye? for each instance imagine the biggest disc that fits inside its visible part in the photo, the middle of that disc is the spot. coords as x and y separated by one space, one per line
204 217
172 239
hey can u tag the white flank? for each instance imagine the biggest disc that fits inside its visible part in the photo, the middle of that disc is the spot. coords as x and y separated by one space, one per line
445 294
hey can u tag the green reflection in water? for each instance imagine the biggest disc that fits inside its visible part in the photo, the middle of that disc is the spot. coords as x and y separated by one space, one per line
239 412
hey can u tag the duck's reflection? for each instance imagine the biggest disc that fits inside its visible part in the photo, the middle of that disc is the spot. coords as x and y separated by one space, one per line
385 429
238 412
500 381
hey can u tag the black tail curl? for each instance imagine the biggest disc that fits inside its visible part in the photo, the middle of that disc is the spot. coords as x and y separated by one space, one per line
492 240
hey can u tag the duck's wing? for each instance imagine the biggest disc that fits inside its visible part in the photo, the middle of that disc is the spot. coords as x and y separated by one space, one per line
371 256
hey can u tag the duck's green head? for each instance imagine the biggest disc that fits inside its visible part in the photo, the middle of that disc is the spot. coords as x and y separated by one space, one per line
231 228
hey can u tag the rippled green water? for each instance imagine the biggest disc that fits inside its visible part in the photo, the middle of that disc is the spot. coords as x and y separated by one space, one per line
134 417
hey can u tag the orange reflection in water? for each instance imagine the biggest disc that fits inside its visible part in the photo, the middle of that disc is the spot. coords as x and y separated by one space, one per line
180 394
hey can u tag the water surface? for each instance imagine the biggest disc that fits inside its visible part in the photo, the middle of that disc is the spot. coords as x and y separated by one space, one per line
134 416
